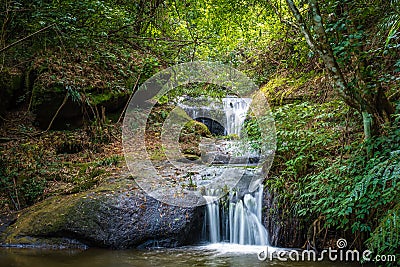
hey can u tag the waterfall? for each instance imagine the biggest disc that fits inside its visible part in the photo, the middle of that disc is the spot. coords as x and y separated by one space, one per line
213 218
241 224
235 112
237 218
222 118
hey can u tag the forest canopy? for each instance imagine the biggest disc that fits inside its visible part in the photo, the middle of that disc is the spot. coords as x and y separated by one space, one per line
330 70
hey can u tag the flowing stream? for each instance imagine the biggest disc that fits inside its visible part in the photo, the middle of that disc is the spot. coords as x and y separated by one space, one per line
233 231
211 255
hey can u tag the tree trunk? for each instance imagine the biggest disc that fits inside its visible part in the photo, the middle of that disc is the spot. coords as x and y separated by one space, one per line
371 111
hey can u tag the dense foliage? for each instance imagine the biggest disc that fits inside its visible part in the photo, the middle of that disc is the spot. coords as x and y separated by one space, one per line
324 172
359 195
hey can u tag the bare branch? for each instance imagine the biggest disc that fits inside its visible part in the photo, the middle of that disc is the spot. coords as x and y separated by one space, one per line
324 50
26 37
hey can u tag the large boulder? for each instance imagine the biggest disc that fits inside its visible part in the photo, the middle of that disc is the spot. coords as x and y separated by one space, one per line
115 215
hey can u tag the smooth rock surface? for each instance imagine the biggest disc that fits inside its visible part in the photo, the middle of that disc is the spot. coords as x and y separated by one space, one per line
115 215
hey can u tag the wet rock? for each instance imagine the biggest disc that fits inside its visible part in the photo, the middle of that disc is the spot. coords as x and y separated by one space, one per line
6 220
116 215
228 152
284 229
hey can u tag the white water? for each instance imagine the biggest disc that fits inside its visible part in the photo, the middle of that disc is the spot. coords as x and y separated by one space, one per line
235 112
243 221
231 114
213 218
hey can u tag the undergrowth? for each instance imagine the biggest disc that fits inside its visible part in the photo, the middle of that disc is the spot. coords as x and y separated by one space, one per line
325 174
57 162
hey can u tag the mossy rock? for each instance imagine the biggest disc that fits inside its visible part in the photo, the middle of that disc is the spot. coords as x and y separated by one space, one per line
292 88
191 157
190 138
48 99
111 100
231 137
197 128
115 215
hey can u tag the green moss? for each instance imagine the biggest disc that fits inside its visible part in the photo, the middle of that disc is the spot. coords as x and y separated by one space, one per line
52 215
230 137
191 156
42 95
274 83
196 127
181 114
122 184
97 99
44 217
280 87
158 154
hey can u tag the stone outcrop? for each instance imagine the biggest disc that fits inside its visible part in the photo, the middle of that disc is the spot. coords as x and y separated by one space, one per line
115 215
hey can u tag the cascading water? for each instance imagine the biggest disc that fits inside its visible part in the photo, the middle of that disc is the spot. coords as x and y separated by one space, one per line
229 114
236 218
240 223
235 112
213 218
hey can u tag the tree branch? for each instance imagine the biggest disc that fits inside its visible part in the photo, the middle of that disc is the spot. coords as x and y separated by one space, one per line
134 89
58 110
324 50
303 27
26 37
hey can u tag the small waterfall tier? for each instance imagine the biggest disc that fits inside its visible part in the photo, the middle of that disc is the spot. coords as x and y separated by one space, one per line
236 220
235 112
223 117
